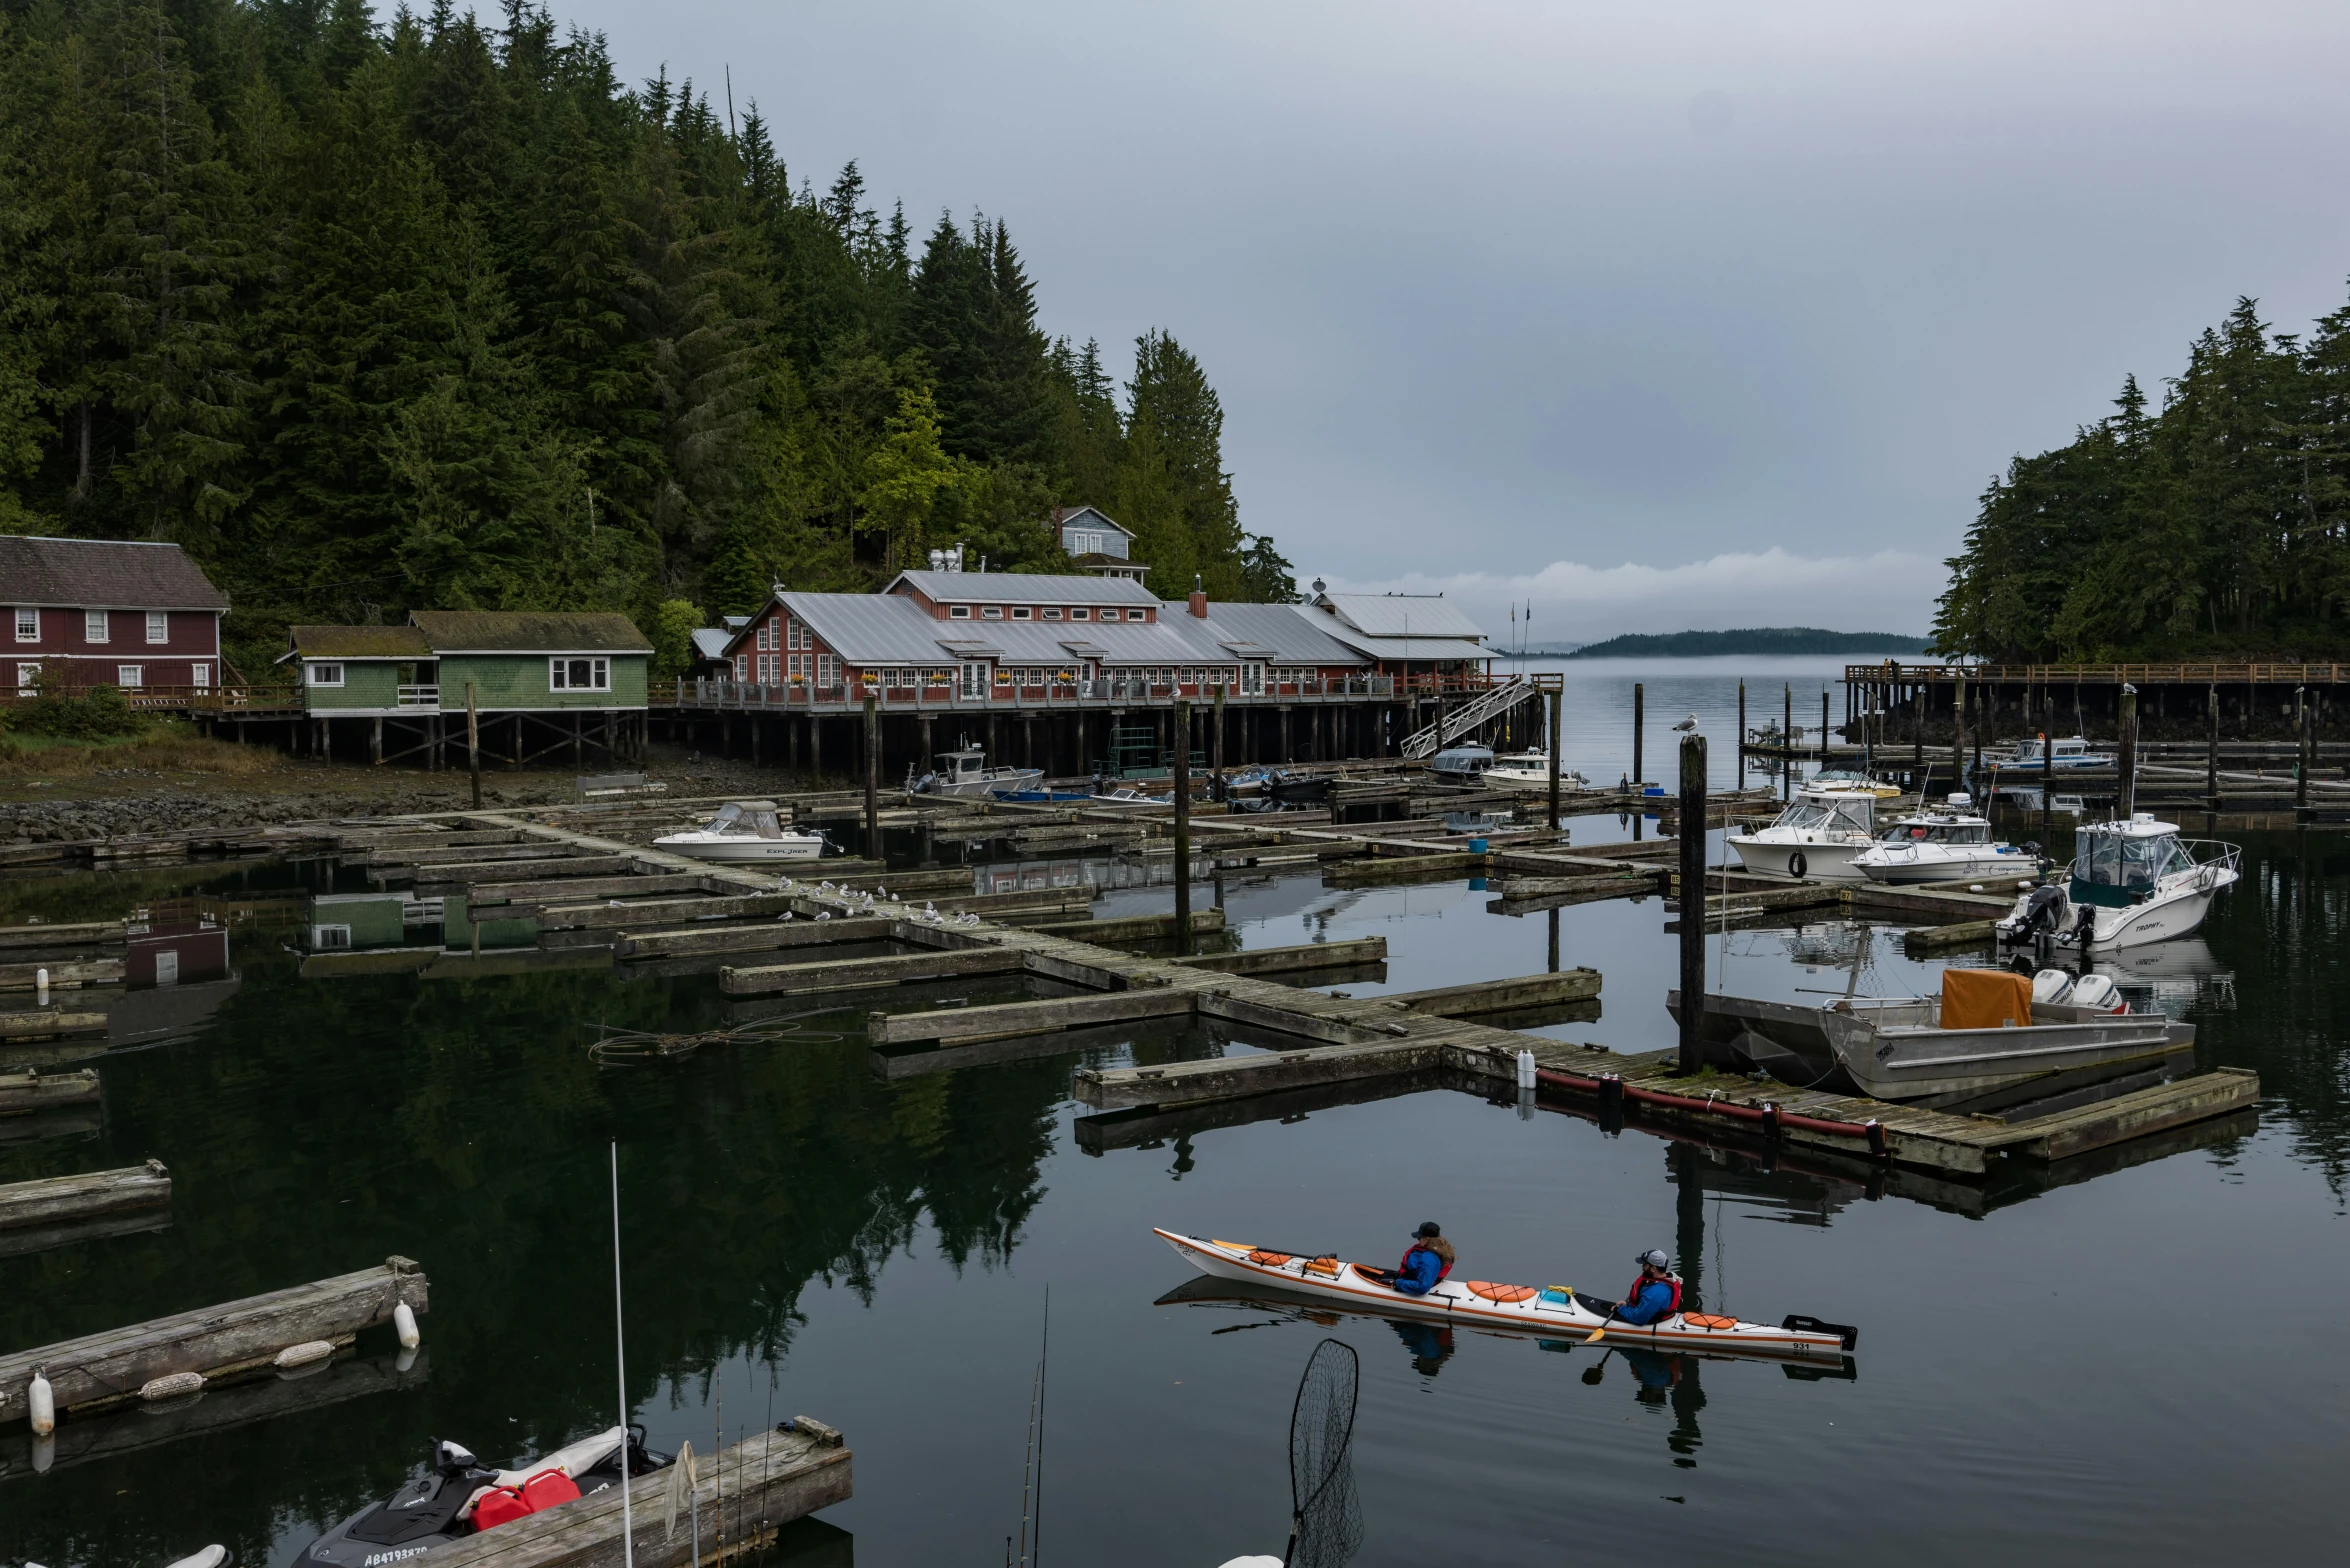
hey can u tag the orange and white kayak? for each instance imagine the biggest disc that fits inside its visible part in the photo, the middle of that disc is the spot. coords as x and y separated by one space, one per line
1533 1309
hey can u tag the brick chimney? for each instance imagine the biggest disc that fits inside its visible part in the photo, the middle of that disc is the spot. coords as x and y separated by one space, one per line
1199 599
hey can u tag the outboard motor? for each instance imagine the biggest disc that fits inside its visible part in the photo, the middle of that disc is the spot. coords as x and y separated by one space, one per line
2051 987
2043 911
2099 992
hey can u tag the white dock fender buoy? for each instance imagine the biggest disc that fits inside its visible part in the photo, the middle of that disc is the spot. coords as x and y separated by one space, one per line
1525 1069
404 1324
210 1557
41 1405
306 1352
171 1385
41 988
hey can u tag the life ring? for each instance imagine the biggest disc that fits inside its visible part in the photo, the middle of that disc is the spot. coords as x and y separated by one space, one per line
1796 865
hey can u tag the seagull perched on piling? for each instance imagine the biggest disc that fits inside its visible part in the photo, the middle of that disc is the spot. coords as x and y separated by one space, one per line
1686 725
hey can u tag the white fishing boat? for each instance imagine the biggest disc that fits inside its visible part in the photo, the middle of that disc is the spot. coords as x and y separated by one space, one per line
1988 1030
965 773
1952 844
1853 778
744 832
1530 770
1816 835
2031 756
2131 883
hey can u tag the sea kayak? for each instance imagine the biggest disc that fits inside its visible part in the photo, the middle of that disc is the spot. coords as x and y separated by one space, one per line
1557 1310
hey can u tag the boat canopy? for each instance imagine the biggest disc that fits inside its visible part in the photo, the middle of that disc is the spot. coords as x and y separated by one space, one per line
1840 812
749 818
1938 829
1463 759
2119 863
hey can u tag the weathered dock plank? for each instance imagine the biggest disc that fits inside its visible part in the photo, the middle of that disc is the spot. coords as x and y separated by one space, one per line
768 1480
56 1200
62 933
1285 960
1187 1083
1501 996
1004 1020
26 1092
1964 933
105 1370
1121 929
77 972
439 881
50 1023
860 973
766 936
1441 866
2153 1110
649 885
651 911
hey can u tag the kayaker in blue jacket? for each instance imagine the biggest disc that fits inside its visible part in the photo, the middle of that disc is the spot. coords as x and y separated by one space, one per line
1654 1296
1429 1260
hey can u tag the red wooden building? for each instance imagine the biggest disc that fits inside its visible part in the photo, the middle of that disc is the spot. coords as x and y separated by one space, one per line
113 612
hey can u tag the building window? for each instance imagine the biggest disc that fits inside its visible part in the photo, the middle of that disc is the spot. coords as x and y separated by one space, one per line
827 669
28 624
1051 615
329 939
742 666
94 625
991 612
958 612
1081 615
200 676
1021 612
159 626
130 677
326 675
579 674
27 679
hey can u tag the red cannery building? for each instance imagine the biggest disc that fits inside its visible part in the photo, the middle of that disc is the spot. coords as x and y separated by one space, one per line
112 612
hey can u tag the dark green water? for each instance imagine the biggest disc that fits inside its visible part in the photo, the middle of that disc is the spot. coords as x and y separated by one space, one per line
2143 1359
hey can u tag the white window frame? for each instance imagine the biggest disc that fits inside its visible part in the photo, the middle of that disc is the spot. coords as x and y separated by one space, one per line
827 670
958 612
97 626
27 679
130 677
1051 613
1081 615
324 674
28 623
330 939
159 626
559 672
975 678
991 612
1252 679
742 668
1022 612
200 676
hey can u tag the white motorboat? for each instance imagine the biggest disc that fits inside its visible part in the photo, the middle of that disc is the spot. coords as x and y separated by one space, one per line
1530 770
2130 883
2031 756
744 832
1816 835
1853 778
1949 845
965 773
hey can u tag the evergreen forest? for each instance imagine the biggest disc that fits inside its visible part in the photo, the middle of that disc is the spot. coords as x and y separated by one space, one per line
2215 526
379 313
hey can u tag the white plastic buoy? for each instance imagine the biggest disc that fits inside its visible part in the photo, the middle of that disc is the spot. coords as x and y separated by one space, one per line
1525 1069
41 1405
210 1557
171 1385
306 1352
40 988
1974 887
404 1324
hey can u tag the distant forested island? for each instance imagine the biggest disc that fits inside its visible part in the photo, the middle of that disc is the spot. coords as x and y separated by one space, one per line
1754 639
388 308
2214 526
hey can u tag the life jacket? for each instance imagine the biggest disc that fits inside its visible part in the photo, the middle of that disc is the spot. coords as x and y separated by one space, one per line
1435 1245
1673 1280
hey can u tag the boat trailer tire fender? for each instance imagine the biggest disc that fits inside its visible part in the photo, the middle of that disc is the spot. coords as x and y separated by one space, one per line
1797 865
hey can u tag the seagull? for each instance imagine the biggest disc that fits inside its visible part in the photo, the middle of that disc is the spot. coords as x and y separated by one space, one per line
786 915
929 910
824 914
1687 724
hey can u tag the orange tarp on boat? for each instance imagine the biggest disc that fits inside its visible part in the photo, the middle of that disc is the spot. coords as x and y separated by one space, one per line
1985 999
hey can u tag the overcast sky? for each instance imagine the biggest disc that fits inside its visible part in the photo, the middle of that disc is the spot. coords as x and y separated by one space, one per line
1663 314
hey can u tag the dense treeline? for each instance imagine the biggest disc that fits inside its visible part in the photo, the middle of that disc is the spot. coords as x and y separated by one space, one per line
378 315
2216 526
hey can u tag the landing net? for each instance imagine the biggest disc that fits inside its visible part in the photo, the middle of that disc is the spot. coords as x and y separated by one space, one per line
1326 1527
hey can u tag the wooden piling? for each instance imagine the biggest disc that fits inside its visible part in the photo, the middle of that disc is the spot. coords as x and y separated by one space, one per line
2211 751
2127 762
1958 728
1557 713
473 744
2307 757
1639 723
1742 735
238 1339
1692 829
1787 739
872 779
1180 775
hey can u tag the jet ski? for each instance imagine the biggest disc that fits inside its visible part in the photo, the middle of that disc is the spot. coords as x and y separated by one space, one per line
458 1496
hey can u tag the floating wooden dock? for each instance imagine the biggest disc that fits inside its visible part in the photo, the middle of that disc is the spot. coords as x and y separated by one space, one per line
49 1023
767 1480
27 1092
240 1339
58 1200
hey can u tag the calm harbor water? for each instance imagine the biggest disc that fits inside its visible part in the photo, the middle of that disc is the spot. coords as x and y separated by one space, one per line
2128 1356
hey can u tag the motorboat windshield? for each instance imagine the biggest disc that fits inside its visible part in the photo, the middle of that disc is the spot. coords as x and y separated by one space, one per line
2121 863
1840 813
1464 760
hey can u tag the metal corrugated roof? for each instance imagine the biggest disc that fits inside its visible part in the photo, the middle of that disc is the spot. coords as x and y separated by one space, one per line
1401 648
893 629
1402 615
1025 588
358 642
710 641
1269 631
529 631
